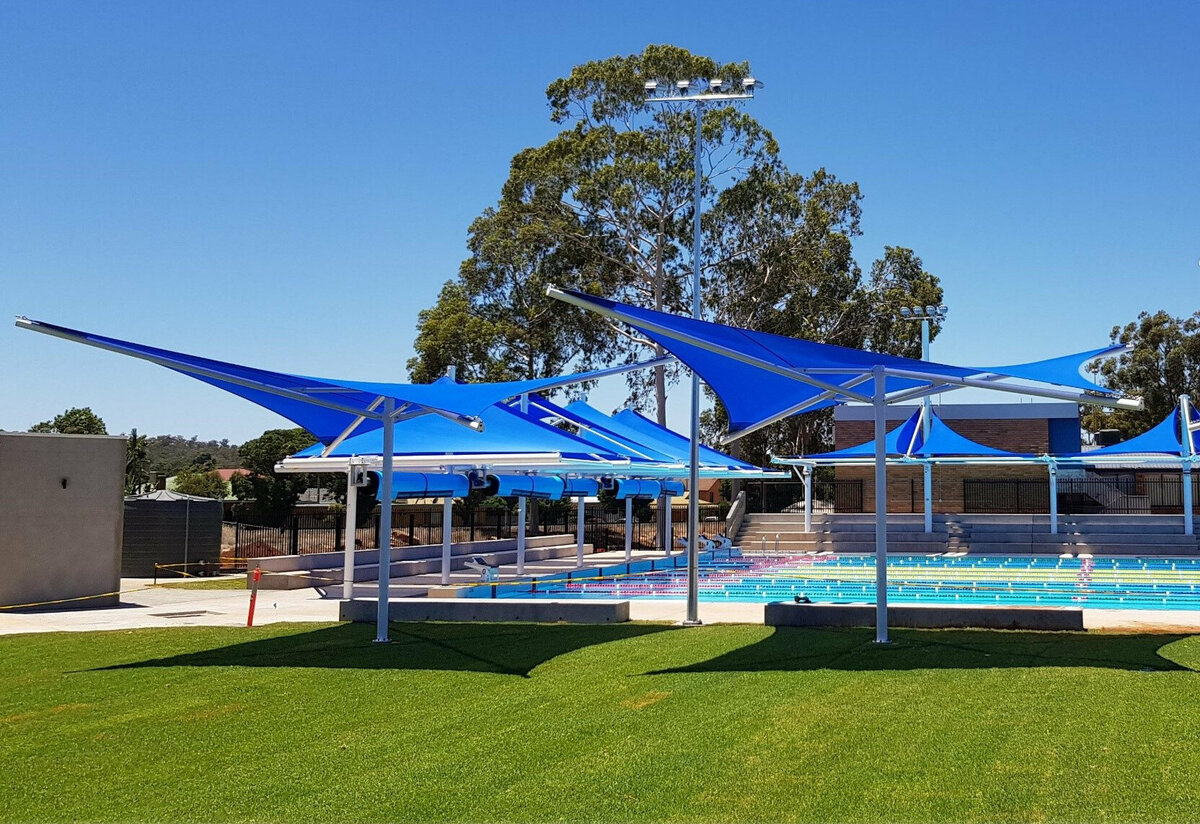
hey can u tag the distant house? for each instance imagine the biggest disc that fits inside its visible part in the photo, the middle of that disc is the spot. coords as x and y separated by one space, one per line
226 476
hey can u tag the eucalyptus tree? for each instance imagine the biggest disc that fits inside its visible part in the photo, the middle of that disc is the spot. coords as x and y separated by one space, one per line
1163 363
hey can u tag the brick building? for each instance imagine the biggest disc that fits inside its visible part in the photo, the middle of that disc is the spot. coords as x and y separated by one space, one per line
1035 428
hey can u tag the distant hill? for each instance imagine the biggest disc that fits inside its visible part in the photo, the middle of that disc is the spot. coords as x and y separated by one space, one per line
169 454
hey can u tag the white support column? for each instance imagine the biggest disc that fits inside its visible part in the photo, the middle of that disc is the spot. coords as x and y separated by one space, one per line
521 535
880 403
668 521
927 479
579 533
1053 498
628 529
385 520
806 476
447 530
1188 518
1185 453
351 536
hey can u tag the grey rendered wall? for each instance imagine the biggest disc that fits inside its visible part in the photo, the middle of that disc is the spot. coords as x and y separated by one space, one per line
61 504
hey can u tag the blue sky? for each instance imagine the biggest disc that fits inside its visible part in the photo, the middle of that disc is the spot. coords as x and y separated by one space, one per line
288 184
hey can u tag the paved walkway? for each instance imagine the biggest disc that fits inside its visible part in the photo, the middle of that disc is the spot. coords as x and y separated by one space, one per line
143 605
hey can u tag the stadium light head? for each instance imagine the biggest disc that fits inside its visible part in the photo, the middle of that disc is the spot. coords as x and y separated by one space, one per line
905 312
716 84
651 86
682 86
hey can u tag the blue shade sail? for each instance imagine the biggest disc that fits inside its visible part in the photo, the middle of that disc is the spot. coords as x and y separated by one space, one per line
1065 370
740 364
944 442
908 440
323 406
426 485
506 430
1164 438
635 428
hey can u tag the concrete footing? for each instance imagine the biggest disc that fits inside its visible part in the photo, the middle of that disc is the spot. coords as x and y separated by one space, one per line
786 614
481 609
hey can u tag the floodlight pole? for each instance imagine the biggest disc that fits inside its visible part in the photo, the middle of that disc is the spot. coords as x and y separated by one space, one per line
693 525
806 477
713 90
385 520
879 402
1053 497
579 531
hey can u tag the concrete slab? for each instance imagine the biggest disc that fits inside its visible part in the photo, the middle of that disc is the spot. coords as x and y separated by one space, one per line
481 609
785 614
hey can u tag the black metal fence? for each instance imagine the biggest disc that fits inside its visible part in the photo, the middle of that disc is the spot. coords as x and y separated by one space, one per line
1117 495
788 496
604 528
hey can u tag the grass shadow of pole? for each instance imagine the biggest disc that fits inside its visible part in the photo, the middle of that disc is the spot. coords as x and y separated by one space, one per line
799 649
506 649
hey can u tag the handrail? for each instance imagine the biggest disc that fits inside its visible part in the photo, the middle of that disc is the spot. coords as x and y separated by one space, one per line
735 515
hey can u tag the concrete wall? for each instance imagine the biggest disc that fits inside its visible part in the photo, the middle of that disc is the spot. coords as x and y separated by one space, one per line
61 505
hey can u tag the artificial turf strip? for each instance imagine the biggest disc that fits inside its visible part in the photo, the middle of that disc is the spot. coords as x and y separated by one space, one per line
224 582
624 722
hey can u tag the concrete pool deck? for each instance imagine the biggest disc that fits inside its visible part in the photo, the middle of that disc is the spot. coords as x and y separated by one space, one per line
143 605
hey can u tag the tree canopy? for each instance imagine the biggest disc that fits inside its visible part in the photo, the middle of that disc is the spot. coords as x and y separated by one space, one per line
607 206
74 421
271 496
1163 364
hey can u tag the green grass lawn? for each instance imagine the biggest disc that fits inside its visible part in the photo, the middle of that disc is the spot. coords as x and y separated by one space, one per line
626 722
224 582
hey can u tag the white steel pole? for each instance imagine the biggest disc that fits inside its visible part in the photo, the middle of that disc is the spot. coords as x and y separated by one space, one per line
447 528
1053 498
385 520
806 476
579 533
880 403
693 525
351 536
1185 452
628 529
927 468
667 519
521 535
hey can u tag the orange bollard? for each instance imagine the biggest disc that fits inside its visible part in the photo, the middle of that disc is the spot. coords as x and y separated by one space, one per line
253 595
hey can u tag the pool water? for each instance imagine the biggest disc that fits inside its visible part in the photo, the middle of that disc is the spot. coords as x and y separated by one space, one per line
1107 582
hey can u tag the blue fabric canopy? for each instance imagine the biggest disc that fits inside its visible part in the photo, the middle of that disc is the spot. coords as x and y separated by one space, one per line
743 367
506 430
426 485
908 440
638 429
323 406
1164 438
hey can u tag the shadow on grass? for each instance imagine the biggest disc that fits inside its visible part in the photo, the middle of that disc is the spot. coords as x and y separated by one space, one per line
506 649
796 649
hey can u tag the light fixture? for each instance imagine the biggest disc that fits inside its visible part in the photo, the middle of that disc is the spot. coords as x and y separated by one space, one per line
715 84
905 312
651 86
930 310
749 84
683 86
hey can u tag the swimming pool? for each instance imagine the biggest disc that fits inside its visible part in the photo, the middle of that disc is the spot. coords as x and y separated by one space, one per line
1106 582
